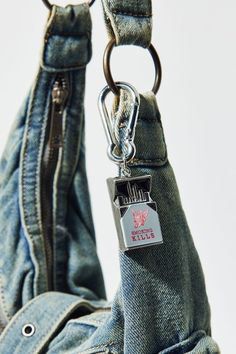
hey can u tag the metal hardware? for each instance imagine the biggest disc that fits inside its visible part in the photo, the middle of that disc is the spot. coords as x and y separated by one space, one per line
50 6
53 142
136 218
107 123
28 330
107 69
135 213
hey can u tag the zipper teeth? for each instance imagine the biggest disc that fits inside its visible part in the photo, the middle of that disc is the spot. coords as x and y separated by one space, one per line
53 142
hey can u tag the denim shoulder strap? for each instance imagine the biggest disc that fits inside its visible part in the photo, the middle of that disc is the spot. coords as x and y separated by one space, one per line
35 324
67 40
49 131
129 22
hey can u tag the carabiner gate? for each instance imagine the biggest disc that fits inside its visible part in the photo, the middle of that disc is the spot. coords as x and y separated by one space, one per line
107 123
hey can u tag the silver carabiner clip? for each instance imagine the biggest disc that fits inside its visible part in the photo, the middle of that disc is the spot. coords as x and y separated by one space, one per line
107 123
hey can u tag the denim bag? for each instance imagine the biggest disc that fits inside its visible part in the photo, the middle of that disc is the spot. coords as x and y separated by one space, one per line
51 285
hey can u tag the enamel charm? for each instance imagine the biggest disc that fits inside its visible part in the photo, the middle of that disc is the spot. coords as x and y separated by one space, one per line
135 213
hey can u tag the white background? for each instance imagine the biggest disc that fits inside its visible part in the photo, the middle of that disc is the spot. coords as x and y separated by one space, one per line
196 43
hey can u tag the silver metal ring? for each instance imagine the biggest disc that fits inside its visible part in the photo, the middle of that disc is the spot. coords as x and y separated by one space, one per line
131 151
107 69
28 330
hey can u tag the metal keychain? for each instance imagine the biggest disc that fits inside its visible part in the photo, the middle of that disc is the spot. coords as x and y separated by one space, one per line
135 213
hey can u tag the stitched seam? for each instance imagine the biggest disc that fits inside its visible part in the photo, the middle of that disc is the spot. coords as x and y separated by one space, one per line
158 159
136 160
24 169
22 311
68 34
91 320
69 309
52 323
103 310
38 168
148 119
3 302
129 13
126 13
116 31
18 318
65 68
72 67
88 322
25 153
79 66
117 26
8 317
32 302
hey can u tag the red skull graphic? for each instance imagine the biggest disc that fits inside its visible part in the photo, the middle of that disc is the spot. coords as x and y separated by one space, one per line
139 217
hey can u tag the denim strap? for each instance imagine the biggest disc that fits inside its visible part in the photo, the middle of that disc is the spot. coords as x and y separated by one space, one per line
67 44
129 22
149 129
46 313
22 246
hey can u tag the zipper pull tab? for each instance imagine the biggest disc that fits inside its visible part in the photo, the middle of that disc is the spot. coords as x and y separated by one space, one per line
60 93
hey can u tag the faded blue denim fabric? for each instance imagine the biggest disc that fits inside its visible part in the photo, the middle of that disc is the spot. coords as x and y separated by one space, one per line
67 48
48 313
161 305
129 22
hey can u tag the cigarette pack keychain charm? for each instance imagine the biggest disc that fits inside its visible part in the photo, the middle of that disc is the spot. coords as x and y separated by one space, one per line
136 218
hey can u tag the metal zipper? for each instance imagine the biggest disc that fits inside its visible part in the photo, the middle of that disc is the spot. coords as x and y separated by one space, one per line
52 145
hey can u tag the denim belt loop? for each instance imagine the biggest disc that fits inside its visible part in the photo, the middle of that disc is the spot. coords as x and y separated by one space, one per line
129 22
